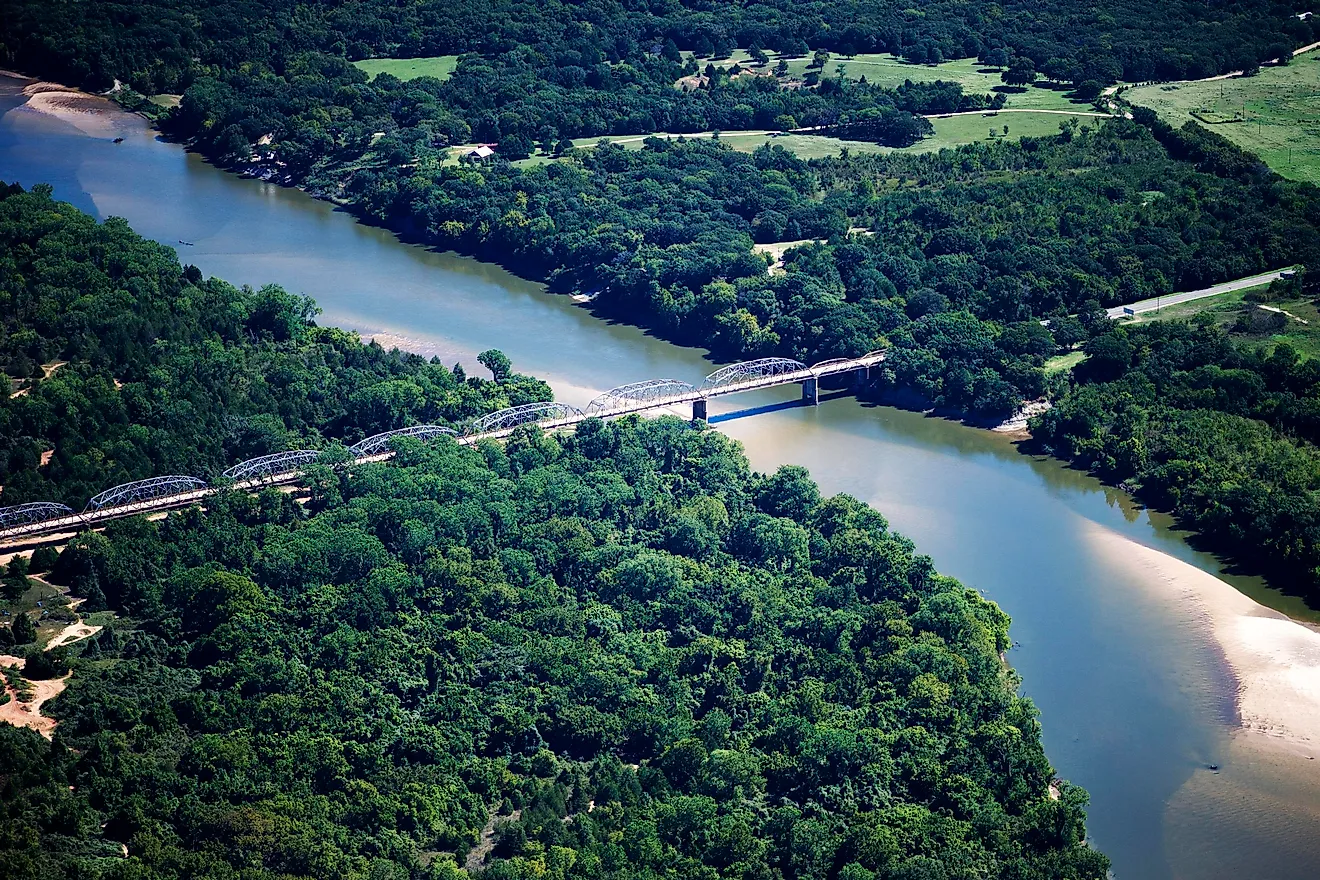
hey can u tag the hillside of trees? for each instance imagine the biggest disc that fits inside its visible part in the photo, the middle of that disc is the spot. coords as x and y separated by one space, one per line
611 654
165 45
1220 434
151 369
960 254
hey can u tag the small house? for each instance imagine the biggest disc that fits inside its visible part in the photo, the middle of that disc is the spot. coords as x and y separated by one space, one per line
479 153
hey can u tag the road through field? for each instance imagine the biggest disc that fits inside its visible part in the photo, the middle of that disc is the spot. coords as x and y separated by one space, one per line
1150 305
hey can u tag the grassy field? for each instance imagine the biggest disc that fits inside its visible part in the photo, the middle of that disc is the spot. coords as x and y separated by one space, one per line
808 146
1063 362
1303 337
957 130
891 71
440 66
1225 308
1276 112
949 132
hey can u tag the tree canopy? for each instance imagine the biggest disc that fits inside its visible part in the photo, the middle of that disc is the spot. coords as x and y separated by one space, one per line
616 653
151 369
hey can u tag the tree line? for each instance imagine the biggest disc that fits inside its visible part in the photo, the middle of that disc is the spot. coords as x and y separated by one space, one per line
166 45
962 252
151 369
615 653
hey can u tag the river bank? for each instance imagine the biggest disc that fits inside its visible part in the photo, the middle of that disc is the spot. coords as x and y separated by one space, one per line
81 109
1273 664
1136 697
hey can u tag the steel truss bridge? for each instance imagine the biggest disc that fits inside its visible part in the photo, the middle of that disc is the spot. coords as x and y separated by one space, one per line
157 494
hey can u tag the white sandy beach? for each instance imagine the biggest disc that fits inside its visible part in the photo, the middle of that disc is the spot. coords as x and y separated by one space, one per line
1275 660
81 109
1265 798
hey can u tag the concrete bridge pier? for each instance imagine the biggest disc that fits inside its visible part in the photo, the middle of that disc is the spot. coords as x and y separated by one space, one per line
862 377
699 410
811 392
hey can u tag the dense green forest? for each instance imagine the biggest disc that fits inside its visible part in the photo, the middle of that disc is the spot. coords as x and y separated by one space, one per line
1220 434
164 45
954 258
961 253
616 653
154 370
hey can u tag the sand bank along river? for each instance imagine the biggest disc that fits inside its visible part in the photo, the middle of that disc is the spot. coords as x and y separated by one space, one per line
1190 712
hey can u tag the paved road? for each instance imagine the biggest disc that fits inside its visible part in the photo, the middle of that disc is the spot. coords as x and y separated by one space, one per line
1150 305
989 112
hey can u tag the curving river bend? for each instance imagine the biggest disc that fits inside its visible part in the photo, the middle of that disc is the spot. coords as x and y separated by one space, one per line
1119 626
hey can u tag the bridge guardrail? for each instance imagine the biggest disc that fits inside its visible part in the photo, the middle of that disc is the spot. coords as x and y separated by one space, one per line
21 521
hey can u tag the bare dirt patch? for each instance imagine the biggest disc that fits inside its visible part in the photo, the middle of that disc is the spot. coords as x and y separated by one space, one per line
72 633
28 714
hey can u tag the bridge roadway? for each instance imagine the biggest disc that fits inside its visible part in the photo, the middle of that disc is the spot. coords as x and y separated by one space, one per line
765 373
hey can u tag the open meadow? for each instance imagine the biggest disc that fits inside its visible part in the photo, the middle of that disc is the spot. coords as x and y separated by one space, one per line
439 66
882 69
891 71
1274 114
950 131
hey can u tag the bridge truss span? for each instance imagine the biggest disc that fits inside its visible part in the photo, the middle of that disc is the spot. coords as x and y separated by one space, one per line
528 413
652 391
14 519
151 489
833 365
378 443
275 463
23 521
751 371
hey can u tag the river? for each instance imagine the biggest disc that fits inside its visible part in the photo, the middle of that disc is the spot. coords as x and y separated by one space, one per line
1118 627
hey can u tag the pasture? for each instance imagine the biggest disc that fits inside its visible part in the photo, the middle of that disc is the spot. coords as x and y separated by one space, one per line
1274 114
439 66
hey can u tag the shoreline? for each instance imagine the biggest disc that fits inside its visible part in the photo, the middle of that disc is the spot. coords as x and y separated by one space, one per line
1273 660
1254 813
81 108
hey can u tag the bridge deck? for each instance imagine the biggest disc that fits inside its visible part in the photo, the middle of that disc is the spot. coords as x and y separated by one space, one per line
89 518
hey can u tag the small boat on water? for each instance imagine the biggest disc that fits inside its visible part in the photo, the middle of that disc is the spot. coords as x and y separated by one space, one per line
119 140
188 243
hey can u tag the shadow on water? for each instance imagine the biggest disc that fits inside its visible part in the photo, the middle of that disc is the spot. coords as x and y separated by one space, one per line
773 407
1121 684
